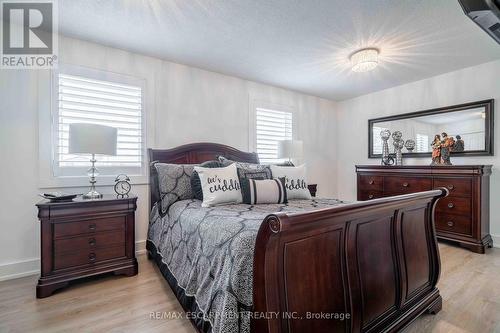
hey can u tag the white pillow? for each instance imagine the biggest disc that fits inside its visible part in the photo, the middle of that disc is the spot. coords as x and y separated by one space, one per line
295 180
219 185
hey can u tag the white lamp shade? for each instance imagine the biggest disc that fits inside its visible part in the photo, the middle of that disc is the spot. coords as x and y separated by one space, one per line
290 149
92 139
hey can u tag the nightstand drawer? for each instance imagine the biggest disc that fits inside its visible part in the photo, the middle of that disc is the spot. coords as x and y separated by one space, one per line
89 242
66 229
87 257
454 223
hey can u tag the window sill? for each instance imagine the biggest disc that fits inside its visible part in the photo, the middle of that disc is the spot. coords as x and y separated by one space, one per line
83 181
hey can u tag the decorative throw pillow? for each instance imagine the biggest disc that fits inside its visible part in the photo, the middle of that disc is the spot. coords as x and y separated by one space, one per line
263 191
249 170
219 185
295 181
174 181
195 179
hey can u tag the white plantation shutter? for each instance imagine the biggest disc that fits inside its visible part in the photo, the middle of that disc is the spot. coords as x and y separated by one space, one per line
271 126
82 99
423 144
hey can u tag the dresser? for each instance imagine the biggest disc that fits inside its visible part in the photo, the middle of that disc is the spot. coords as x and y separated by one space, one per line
463 216
83 238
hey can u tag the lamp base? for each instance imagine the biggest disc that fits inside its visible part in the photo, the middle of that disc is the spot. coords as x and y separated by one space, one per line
92 172
93 194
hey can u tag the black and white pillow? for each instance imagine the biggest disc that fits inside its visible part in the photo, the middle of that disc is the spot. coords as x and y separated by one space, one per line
174 181
265 191
195 179
295 181
219 185
249 170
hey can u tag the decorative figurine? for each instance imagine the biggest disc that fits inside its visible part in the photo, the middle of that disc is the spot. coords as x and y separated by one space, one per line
410 145
398 145
447 144
436 150
386 158
397 135
459 145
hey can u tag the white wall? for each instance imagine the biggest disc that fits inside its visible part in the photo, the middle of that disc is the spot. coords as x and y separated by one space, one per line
186 104
466 85
183 105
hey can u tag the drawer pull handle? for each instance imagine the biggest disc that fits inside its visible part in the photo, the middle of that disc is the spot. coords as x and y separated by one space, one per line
92 242
451 205
92 227
450 223
370 196
451 187
406 184
92 257
371 182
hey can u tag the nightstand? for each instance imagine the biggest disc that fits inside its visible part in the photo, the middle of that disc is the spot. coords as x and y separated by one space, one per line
83 238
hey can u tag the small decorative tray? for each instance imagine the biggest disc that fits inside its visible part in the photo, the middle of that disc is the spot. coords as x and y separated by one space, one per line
58 196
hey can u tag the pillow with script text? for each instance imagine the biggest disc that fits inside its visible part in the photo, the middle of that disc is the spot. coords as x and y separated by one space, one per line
219 185
295 180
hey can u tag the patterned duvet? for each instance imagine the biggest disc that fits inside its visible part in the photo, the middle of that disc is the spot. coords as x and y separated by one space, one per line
209 252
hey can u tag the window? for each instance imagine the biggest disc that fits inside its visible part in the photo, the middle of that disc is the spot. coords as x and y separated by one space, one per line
89 96
423 144
271 126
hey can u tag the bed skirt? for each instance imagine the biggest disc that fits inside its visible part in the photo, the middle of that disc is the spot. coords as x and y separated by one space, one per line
188 303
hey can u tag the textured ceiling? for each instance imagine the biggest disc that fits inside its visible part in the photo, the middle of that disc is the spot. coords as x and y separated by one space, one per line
302 45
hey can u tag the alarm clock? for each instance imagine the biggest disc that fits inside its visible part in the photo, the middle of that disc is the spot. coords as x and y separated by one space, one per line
122 185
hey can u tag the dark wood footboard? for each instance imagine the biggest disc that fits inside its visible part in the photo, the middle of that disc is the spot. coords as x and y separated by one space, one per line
366 267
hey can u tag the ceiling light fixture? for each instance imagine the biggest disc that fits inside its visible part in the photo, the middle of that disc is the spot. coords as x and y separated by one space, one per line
364 60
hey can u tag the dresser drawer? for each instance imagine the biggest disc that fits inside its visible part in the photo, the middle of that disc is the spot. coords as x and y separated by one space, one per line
454 223
375 183
455 206
456 186
66 229
78 258
402 185
369 195
89 242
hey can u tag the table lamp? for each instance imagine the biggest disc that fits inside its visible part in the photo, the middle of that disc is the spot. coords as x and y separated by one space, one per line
290 149
92 139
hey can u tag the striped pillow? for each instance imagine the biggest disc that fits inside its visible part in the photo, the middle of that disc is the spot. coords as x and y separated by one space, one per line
263 191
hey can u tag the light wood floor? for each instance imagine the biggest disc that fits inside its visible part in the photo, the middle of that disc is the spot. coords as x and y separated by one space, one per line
470 286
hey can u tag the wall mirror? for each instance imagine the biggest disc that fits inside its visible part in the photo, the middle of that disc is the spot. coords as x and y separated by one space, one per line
471 125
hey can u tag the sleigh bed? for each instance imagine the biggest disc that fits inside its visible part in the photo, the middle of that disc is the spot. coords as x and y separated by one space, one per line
311 266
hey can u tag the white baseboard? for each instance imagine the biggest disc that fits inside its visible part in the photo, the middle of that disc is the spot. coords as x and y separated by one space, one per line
496 240
19 269
140 247
32 266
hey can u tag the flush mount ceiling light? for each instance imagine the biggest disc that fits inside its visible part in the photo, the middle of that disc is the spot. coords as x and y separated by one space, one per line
364 60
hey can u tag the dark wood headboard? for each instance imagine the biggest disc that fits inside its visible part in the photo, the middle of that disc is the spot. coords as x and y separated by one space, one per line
192 153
